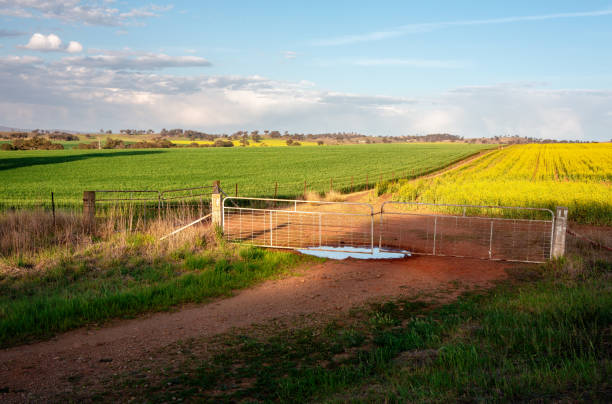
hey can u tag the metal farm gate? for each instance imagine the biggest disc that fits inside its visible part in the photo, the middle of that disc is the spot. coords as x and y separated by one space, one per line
296 224
485 232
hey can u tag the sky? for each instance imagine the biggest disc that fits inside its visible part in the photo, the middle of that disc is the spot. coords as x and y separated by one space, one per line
490 68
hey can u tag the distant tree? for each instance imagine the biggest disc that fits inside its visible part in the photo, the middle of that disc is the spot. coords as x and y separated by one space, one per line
289 142
320 142
113 144
244 142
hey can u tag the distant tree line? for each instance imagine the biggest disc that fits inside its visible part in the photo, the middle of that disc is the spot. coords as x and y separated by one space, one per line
33 143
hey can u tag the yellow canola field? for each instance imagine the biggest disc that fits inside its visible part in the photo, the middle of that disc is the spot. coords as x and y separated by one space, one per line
577 176
263 143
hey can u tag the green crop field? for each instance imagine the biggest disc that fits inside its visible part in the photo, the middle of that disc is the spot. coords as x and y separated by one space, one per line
577 176
28 177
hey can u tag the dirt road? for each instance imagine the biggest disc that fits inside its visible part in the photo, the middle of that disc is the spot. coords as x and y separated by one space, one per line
86 356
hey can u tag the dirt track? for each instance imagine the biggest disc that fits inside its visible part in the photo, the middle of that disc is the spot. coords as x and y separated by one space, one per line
86 356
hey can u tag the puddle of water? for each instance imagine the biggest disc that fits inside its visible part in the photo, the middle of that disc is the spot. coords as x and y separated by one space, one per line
340 253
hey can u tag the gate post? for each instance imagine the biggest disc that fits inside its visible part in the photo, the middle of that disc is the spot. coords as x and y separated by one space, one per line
89 210
558 247
217 206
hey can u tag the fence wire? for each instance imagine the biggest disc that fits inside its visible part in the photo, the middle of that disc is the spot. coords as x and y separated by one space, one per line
132 209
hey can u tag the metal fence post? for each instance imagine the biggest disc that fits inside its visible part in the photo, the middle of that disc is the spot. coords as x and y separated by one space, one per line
491 240
434 238
560 227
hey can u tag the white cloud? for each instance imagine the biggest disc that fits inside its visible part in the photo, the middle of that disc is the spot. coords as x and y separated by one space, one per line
78 11
426 27
123 60
51 43
10 61
289 54
42 42
74 47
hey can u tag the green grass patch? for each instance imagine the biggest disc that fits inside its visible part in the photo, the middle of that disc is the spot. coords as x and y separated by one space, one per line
78 292
545 337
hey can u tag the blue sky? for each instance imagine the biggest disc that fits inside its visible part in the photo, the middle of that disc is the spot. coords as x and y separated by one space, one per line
541 69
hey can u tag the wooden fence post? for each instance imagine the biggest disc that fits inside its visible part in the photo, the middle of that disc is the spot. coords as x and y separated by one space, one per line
89 210
275 189
53 208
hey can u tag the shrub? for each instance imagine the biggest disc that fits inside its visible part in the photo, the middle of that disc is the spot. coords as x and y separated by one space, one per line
113 144
35 143
223 143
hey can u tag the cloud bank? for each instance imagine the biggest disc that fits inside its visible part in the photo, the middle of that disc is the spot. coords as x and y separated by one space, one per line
78 11
87 92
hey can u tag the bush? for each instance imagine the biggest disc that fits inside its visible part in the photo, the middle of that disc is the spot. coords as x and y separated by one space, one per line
35 143
63 136
224 143
154 144
6 146
113 144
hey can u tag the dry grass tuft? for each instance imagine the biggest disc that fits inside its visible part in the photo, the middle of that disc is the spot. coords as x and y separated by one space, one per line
30 241
312 196
25 230
334 196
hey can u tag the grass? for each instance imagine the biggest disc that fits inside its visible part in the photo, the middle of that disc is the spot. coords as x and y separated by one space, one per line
543 336
29 177
124 277
577 176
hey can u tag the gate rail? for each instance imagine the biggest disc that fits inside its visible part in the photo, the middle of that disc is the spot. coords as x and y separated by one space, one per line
516 239
298 224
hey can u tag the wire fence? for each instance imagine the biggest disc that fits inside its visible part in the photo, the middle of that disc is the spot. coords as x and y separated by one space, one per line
132 208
